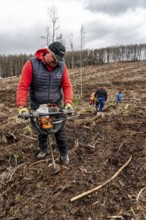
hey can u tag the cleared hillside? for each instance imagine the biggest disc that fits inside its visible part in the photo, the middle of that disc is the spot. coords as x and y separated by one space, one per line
99 146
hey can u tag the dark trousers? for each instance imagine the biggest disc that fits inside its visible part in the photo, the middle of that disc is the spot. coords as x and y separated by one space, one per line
100 103
61 141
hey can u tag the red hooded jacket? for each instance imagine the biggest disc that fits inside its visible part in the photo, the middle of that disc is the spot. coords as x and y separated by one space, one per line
26 78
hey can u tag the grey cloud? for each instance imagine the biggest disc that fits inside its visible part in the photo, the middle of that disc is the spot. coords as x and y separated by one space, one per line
113 35
97 30
114 7
19 41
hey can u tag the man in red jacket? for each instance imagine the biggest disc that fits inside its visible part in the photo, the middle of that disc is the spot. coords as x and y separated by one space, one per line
46 76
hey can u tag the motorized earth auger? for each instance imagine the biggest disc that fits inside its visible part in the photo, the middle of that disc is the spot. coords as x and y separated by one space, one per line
49 119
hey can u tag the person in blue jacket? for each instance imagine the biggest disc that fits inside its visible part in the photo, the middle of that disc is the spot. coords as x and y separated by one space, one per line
100 98
119 97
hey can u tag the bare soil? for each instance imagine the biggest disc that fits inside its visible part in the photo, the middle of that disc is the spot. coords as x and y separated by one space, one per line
98 146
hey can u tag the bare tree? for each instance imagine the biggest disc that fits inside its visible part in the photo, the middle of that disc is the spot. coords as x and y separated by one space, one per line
71 46
60 38
53 15
47 37
51 32
71 42
82 32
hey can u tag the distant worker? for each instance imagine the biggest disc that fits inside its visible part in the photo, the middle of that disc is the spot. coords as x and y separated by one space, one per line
100 98
92 98
119 97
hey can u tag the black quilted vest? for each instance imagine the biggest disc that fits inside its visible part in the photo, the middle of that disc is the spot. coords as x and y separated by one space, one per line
46 85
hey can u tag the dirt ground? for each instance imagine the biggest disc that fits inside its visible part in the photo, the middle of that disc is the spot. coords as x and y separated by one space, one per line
99 145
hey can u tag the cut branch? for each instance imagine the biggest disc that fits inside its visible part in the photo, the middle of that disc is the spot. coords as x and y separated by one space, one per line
16 168
33 139
137 198
103 184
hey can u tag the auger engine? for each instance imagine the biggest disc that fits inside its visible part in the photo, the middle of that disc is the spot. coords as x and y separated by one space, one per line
44 120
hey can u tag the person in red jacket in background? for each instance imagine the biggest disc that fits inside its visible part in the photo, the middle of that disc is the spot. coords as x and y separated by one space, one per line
46 76
92 98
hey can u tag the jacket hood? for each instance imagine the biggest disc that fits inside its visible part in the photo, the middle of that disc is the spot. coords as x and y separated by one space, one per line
40 53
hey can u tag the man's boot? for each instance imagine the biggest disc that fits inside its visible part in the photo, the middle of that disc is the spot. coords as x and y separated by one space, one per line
43 146
42 154
64 159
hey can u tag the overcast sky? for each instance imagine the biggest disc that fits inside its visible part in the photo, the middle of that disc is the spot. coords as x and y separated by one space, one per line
106 23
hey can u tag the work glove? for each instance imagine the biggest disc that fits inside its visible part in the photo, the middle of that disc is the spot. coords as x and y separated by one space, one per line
23 112
69 108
